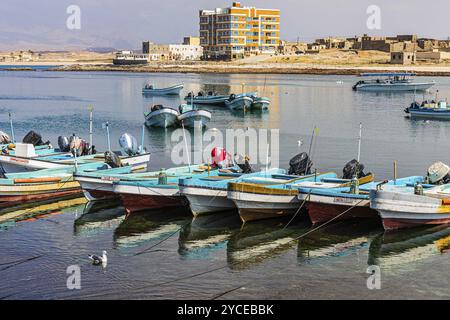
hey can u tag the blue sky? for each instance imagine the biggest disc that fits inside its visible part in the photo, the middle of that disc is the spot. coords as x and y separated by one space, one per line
41 24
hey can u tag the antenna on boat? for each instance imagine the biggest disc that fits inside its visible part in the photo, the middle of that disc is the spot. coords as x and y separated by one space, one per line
395 172
91 110
267 159
142 139
354 185
106 126
12 127
185 143
359 142
243 87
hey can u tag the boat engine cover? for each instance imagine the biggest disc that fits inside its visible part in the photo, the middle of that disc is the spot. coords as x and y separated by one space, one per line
300 164
33 138
350 169
63 143
129 144
112 159
437 171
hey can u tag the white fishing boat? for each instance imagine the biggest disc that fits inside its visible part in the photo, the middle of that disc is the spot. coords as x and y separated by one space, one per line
162 117
405 207
191 117
395 82
236 103
260 103
170 91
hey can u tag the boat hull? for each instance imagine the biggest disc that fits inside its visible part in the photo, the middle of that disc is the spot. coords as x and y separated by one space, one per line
142 198
443 115
96 189
260 104
240 103
252 207
323 212
400 87
195 118
163 118
171 91
204 201
406 210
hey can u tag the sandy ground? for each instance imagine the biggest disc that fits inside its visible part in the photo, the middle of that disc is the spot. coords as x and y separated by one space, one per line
327 62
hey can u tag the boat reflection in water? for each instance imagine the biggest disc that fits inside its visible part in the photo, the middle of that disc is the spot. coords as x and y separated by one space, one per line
206 234
32 212
99 216
337 239
402 248
261 240
141 228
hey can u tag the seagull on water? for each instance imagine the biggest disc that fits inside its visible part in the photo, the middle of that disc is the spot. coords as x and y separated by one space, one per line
99 260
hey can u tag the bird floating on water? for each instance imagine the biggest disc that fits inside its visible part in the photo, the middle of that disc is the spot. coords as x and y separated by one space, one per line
96 260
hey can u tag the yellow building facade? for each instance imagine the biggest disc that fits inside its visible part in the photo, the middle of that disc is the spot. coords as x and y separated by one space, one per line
237 31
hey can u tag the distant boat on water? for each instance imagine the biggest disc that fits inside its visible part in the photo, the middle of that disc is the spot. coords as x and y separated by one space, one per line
160 116
429 110
394 82
192 117
169 91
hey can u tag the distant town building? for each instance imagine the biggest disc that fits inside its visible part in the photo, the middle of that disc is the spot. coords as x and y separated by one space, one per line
173 51
403 57
192 41
286 47
237 31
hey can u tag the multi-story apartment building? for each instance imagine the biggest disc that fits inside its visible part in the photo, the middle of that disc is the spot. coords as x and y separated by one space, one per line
235 32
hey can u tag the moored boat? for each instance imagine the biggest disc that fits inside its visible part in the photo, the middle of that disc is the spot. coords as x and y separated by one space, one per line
392 82
260 103
325 201
237 103
192 117
169 91
421 204
162 117
213 99
429 110
208 194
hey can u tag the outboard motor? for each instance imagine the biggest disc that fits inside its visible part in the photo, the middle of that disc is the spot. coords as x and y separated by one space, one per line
112 159
243 163
232 97
438 173
34 138
351 168
4 138
64 144
300 164
129 144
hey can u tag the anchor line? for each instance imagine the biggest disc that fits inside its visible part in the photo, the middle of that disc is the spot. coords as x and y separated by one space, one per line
300 208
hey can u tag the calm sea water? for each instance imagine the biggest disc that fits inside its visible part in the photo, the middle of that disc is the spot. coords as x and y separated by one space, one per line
160 255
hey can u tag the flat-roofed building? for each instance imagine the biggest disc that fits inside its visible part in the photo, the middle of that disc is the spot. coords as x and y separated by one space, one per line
237 31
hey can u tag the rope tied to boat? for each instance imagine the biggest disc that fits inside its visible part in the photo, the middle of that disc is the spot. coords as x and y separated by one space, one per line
300 208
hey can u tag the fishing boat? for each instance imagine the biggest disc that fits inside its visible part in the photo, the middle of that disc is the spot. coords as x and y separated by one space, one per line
18 188
213 99
429 110
337 199
191 117
162 117
208 194
421 204
154 193
409 207
98 185
169 91
237 103
394 82
260 103
25 161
